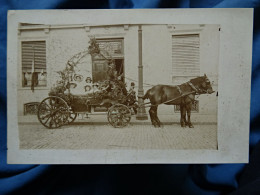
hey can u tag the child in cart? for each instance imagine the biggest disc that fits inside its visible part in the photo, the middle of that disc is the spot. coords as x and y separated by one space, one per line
132 97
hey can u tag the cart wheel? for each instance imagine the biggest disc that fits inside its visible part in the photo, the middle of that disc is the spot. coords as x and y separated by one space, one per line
53 112
72 116
119 115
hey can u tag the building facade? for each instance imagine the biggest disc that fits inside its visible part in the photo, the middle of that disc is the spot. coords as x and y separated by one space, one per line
171 54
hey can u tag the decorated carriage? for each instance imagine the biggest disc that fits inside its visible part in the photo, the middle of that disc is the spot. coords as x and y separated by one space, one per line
65 103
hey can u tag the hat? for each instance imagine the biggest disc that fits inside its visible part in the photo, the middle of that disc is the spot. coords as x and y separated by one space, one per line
72 85
78 76
95 84
88 79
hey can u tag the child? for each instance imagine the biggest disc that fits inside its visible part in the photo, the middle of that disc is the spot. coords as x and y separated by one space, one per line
79 88
132 97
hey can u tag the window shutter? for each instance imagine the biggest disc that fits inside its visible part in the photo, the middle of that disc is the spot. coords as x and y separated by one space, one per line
33 50
185 55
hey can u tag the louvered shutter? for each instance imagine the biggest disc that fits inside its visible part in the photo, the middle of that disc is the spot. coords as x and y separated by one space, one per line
33 50
185 55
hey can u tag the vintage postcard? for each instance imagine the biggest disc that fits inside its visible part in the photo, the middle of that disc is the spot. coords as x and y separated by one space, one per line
129 86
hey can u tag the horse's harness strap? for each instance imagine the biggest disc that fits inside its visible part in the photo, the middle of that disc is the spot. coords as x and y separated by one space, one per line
179 89
193 87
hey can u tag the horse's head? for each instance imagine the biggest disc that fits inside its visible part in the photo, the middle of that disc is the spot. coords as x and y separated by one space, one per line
203 84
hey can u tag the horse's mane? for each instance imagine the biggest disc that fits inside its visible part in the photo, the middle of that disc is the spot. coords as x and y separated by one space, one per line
197 79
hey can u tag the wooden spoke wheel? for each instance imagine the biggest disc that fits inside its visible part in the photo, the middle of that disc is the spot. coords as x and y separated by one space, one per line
119 115
53 112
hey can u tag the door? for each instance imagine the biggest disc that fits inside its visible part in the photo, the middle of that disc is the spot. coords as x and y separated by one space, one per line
99 70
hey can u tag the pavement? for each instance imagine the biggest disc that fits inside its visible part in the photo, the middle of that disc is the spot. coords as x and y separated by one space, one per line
96 133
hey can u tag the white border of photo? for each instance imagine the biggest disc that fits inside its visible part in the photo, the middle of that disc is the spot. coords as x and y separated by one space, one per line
235 58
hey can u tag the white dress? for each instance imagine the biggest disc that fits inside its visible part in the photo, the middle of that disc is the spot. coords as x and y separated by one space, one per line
79 89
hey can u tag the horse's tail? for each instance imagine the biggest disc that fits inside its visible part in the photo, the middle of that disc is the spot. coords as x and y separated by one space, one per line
146 95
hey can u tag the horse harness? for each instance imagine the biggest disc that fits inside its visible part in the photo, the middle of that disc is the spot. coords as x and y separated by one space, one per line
197 91
179 89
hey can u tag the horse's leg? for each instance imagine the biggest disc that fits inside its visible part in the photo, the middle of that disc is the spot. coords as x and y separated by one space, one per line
188 108
181 111
152 116
156 116
183 115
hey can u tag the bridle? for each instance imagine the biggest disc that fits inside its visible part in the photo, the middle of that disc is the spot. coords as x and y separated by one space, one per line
197 90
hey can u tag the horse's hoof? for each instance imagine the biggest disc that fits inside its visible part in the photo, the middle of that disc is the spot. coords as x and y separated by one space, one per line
155 125
191 126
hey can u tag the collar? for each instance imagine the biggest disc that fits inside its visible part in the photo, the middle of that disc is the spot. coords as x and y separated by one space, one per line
194 88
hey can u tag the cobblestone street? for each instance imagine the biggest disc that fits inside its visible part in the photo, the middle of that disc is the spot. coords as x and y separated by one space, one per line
89 135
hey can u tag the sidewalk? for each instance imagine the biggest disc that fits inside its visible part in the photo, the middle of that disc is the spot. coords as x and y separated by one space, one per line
104 136
96 133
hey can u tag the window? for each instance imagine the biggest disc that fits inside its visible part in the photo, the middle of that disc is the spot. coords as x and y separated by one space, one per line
112 47
31 108
186 55
34 63
185 61
194 108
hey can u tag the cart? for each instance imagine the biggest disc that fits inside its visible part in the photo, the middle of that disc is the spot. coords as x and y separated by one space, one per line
61 109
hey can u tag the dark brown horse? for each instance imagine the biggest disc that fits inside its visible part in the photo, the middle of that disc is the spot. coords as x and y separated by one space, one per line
182 95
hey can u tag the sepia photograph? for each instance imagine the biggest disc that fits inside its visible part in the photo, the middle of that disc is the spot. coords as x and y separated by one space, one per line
114 82
118 86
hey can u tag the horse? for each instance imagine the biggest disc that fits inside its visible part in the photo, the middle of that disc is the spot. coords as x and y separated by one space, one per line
182 95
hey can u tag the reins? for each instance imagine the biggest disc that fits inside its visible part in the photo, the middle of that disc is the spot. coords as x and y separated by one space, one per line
165 101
